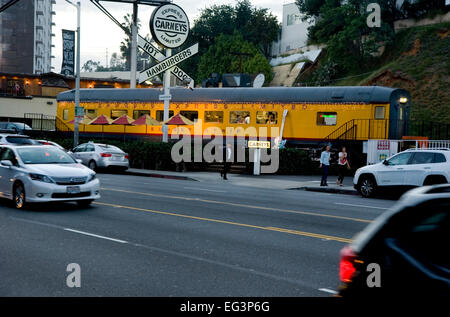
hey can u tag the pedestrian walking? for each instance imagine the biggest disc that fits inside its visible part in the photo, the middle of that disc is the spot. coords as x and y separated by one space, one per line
343 165
324 165
227 158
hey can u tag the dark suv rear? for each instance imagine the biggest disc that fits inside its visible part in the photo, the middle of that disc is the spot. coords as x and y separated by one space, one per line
404 252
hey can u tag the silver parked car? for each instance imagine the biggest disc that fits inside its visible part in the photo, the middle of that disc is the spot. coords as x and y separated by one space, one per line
6 138
44 173
97 155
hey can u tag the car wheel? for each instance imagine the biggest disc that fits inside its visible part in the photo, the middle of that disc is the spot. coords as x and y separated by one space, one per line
85 203
435 180
19 196
92 165
367 186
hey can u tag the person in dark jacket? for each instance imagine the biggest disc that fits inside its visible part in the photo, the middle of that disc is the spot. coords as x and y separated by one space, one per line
227 159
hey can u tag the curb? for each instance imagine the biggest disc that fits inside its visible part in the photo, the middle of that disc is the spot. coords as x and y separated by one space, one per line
185 178
328 190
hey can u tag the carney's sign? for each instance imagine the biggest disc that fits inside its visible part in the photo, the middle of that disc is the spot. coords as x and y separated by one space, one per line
168 63
169 26
151 50
258 144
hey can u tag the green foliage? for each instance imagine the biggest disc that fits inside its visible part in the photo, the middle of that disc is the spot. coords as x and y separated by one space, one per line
256 25
219 60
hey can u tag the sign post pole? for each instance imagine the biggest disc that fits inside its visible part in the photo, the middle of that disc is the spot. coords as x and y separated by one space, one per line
257 161
166 100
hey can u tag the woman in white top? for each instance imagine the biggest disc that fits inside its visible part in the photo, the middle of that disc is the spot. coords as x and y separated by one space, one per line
343 164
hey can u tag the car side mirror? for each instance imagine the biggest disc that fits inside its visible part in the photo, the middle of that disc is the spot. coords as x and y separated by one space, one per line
79 161
386 162
6 163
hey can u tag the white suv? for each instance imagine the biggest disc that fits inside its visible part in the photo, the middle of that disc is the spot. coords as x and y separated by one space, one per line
410 168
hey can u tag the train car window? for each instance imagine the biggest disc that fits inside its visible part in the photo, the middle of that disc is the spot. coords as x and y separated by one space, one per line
266 117
214 116
118 113
160 115
66 114
91 113
139 113
191 115
326 118
379 112
240 117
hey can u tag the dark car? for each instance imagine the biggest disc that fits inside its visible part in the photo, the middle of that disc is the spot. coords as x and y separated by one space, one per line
404 252
15 127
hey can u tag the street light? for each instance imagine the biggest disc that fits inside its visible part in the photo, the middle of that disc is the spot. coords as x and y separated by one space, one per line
77 81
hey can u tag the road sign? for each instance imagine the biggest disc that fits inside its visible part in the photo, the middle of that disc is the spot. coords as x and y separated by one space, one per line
79 111
169 26
258 144
151 50
165 97
168 63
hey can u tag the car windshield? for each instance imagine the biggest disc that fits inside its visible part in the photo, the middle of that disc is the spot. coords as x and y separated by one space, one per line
110 148
23 126
47 155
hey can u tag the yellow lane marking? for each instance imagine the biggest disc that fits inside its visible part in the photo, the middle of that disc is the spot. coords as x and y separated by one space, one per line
242 205
296 232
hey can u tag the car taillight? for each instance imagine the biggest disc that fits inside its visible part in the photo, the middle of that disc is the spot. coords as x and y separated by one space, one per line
127 156
347 265
105 154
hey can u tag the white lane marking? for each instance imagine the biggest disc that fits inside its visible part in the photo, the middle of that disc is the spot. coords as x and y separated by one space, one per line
364 206
207 190
95 235
326 290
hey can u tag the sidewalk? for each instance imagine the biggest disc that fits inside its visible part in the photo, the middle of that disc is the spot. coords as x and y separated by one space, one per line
293 182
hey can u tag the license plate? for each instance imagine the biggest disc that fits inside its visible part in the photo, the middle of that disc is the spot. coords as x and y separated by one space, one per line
116 157
73 189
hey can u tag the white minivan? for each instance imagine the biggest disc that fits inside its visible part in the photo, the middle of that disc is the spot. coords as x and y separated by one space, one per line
411 168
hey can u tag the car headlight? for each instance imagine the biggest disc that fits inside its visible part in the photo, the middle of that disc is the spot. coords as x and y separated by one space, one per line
41 178
91 177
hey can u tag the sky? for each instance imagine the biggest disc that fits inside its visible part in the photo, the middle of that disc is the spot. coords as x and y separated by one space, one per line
99 34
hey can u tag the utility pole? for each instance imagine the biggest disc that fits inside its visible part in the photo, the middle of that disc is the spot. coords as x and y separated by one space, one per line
133 60
77 80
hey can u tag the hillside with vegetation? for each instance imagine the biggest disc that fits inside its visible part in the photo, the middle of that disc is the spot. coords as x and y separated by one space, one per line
416 59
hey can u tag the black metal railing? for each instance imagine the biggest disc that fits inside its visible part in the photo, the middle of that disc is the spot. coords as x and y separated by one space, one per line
61 126
432 130
360 129
41 122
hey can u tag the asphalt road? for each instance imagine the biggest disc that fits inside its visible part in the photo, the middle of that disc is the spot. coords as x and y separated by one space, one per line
161 237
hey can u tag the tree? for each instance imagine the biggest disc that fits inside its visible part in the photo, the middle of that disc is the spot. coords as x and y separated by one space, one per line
125 45
219 60
421 8
90 66
256 25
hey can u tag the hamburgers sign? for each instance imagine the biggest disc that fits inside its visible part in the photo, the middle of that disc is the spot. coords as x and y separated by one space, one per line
169 26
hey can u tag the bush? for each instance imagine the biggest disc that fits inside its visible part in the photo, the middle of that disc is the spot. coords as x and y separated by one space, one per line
157 156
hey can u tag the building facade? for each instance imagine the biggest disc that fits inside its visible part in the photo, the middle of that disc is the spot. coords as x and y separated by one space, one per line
294 31
26 37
